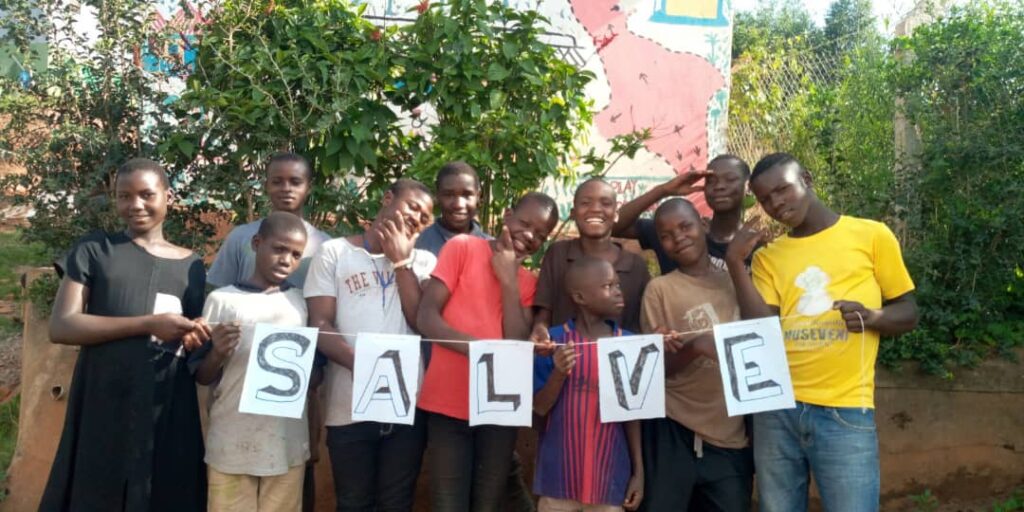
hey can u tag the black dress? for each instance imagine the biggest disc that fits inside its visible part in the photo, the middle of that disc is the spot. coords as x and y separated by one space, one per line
132 438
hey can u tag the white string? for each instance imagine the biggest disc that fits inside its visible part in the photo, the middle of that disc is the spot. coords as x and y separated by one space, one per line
441 340
863 367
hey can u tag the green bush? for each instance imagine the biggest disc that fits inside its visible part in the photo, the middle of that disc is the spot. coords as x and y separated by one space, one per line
957 202
964 90
310 76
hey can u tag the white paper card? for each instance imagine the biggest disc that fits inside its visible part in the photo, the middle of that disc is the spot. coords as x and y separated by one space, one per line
755 373
501 383
631 377
385 380
165 303
277 375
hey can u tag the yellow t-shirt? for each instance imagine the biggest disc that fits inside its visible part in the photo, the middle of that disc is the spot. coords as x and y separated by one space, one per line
854 260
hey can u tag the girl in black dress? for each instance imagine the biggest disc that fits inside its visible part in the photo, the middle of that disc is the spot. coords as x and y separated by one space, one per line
131 439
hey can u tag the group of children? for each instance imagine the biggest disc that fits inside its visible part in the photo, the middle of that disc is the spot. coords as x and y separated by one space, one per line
135 305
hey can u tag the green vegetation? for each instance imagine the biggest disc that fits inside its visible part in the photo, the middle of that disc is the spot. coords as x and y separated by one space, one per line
8 434
956 201
14 253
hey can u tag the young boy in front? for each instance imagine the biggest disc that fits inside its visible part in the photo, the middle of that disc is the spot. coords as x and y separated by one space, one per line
370 282
478 291
288 183
838 283
583 464
725 184
696 458
594 212
254 462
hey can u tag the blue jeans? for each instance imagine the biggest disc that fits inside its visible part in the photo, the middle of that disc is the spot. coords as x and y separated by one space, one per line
838 445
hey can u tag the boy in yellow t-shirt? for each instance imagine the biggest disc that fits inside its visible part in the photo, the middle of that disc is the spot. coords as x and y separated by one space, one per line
838 283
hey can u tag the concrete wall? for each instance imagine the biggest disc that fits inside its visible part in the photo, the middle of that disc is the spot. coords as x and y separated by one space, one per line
962 439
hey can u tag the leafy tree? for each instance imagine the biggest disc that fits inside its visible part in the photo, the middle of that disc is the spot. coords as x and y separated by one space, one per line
849 24
773 25
80 117
505 102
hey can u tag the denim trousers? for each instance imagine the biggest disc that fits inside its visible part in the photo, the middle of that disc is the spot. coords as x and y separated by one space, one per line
837 445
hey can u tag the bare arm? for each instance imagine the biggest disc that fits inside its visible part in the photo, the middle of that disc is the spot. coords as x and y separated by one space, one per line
225 339
680 185
630 212
752 304
321 315
432 324
545 399
70 325
635 489
516 319
398 245
896 316
409 292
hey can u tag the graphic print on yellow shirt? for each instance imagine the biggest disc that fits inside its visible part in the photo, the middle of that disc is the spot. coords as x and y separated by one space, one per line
854 260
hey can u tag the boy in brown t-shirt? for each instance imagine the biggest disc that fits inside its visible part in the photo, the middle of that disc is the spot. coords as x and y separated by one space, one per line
594 210
698 455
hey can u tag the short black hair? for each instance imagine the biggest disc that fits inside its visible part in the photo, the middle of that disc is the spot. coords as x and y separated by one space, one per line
402 184
454 169
541 199
135 165
588 181
768 162
289 157
674 204
579 269
734 160
281 222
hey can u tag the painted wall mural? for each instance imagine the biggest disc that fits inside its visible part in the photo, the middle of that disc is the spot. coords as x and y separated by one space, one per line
660 64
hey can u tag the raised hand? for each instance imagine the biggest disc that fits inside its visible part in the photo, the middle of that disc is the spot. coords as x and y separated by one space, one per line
504 261
395 239
744 241
685 184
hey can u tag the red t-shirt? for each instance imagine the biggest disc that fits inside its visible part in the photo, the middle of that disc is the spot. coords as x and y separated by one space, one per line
464 266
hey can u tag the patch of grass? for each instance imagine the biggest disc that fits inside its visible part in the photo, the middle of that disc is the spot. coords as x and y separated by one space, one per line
1011 504
8 433
8 327
14 252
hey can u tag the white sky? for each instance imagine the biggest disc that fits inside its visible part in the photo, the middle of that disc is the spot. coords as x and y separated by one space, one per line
888 12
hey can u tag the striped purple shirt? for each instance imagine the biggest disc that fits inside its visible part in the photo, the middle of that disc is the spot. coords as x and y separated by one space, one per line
579 458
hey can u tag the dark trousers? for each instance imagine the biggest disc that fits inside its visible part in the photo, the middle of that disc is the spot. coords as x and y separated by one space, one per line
518 497
469 466
375 465
677 479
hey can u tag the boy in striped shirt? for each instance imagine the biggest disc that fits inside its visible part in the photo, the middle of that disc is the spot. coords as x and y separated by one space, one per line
583 464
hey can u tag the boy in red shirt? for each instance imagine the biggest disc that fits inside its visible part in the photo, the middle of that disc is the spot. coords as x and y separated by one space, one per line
478 291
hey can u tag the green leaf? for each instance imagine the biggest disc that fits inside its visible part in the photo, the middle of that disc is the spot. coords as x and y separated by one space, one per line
496 72
186 147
